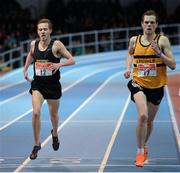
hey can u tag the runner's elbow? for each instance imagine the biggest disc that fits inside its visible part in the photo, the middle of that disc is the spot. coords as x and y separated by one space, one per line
173 66
73 62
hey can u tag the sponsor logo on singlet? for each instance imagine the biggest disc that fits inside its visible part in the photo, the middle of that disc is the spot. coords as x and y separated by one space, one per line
147 69
42 68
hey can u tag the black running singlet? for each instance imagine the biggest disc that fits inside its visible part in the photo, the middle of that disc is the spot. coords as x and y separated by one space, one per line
42 60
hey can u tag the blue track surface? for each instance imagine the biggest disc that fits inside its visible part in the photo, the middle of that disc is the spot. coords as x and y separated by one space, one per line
95 101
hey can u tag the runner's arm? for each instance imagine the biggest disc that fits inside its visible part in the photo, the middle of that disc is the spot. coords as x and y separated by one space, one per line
166 55
129 57
66 54
29 60
58 50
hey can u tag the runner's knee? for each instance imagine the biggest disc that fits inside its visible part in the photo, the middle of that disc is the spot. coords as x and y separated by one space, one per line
54 116
36 114
143 118
150 123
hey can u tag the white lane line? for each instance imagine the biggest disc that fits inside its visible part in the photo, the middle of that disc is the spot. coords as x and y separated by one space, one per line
88 75
108 151
63 90
72 71
10 74
16 119
78 164
94 66
95 121
67 88
161 159
21 166
80 60
173 118
11 85
13 98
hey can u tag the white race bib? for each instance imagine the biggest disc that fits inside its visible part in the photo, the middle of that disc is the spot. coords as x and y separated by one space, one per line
148 69
41 69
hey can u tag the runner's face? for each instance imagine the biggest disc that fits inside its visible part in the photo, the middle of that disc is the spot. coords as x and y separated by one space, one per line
43 31
149 24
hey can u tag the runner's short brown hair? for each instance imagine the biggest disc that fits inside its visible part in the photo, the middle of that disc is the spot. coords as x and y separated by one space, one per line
44 20
149 13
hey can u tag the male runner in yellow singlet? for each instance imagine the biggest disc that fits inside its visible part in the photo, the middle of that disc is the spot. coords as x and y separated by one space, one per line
149 54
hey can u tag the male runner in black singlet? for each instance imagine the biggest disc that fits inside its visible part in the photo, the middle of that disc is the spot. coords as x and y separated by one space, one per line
45 54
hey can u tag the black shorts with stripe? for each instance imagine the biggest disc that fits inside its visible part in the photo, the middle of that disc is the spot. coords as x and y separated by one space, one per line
48 91
153 95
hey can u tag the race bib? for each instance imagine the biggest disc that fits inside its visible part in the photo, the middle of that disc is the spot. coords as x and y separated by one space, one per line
148 69
41 69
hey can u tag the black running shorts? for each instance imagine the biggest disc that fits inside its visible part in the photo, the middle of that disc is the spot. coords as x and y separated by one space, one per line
153 95
48 91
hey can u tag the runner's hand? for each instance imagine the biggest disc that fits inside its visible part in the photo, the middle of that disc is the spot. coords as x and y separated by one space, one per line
127 73
54 66
155 46
26 76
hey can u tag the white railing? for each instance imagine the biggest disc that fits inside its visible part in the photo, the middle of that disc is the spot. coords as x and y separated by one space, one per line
89 42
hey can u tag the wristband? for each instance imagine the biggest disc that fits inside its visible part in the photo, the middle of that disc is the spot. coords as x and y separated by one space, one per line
159 54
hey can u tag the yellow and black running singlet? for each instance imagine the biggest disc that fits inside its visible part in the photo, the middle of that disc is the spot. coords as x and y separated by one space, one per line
149 70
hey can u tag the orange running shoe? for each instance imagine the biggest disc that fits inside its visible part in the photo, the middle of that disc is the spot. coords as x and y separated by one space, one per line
139 160
145 153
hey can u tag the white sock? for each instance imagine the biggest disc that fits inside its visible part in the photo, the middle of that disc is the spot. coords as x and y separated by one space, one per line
140 150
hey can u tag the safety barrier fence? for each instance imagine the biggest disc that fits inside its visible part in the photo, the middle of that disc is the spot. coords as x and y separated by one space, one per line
88 43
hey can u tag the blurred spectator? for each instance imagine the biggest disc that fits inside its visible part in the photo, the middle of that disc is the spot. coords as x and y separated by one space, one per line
11 41
16 24
77 50
1 42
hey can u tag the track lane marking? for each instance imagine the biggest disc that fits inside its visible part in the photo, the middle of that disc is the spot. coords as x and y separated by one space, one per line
21 166
63 90
173 118
108 150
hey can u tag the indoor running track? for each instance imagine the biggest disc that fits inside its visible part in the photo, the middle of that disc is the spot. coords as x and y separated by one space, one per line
97 122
